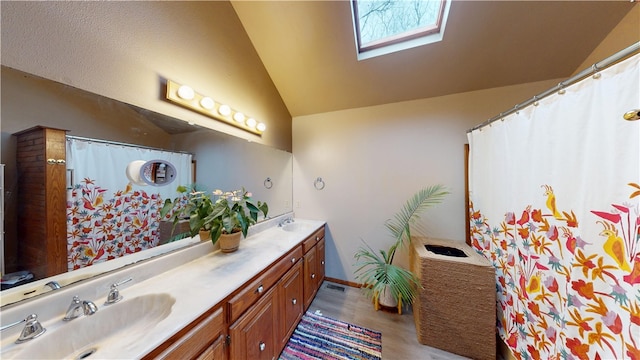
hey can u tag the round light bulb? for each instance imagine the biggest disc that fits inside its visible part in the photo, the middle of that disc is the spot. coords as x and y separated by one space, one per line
224 110
251 122
261 126
207 103
186 92
239 117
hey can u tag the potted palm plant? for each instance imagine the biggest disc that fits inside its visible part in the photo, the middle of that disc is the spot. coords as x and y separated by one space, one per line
384 282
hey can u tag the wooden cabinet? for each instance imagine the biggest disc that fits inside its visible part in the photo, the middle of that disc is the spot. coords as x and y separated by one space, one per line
310 261
320 264
263 313
260 331
202 339
253 336
217 350
249 294
314 259
42 222
291 302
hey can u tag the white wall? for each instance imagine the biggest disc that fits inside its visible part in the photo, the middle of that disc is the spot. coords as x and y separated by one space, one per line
373 159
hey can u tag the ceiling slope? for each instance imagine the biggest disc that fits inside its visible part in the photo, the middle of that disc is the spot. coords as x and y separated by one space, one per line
309 51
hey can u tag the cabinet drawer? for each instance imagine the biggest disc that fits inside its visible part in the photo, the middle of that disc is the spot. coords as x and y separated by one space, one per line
194 341
252 292
312 240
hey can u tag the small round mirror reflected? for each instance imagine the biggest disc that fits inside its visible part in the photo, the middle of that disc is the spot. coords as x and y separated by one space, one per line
158 172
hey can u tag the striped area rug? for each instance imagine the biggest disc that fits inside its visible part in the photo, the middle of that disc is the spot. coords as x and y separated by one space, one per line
320 337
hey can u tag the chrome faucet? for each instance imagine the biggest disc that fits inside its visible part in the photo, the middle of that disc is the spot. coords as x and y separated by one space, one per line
78 308
54 285
32 328
286 221
114 294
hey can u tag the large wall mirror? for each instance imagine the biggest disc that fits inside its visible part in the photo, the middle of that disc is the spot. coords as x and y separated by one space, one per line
221 161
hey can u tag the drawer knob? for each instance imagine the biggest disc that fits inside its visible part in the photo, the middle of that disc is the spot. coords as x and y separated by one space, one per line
317 238
293 260
313 276
294 301
262 346
260 289
322 262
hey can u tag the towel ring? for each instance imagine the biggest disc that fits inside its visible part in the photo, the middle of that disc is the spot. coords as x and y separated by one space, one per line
268 183
318 184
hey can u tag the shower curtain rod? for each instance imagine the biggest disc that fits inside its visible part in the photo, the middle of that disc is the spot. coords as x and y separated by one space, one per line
620 55
109 142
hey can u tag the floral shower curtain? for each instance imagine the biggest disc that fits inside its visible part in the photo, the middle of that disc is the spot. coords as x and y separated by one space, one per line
555 205
107 216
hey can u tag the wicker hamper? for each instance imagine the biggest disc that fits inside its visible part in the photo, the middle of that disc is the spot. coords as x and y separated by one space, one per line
456 308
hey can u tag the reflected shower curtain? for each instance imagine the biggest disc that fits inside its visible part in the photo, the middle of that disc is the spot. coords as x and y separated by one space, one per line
554 204
107 216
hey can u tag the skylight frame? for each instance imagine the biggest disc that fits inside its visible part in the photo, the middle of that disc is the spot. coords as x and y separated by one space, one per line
401 41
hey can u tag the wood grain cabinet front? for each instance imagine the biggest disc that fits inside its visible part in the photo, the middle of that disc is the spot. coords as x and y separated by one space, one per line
203 339
249 294
314 263
263 312
253 336
291 302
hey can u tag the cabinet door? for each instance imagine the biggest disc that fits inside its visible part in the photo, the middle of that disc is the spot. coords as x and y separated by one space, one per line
214 352
253 336
320 264
192 343
291 302
310 264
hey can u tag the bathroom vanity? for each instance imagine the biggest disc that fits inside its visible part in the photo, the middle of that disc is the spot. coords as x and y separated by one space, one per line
196 303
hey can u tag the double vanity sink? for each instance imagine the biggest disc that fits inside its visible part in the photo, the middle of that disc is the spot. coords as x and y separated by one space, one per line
166 294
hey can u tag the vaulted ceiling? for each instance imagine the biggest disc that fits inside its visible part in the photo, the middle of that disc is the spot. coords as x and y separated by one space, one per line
308 49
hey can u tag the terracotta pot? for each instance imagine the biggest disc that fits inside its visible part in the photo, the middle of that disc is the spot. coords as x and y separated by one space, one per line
229 242
205 235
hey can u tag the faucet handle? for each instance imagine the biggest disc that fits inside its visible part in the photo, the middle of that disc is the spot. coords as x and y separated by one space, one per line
114 294
54 285
32 328
74 309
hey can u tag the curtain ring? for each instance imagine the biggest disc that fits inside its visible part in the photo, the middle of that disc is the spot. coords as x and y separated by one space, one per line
561 89
596 71
318 184
268 183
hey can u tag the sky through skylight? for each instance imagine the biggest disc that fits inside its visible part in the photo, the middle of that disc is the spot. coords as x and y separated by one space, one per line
380 23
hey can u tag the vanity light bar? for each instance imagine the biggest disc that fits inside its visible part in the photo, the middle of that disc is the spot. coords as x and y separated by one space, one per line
185 96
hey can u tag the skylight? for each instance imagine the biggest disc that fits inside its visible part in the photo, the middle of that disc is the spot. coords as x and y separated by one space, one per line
386 26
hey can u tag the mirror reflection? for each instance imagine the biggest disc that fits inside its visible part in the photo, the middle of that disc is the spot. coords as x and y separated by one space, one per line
218 161
154 172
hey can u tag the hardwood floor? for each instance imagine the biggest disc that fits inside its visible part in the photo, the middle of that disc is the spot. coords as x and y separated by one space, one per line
399 340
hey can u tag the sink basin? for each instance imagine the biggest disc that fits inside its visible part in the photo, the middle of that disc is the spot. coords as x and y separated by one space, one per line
100 336
297 227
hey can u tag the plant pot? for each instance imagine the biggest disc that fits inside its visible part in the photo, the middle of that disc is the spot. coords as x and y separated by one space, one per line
205 235
229 242
385 298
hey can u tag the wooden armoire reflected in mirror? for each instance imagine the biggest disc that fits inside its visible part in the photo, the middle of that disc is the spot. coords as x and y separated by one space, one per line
41 201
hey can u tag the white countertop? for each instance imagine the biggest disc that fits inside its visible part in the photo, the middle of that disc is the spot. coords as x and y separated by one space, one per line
198 278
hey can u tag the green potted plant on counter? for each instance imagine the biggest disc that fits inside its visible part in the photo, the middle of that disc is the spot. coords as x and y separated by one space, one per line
233 212
224 216
385 283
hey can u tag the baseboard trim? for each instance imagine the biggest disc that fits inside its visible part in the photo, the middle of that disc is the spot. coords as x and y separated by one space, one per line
343 282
